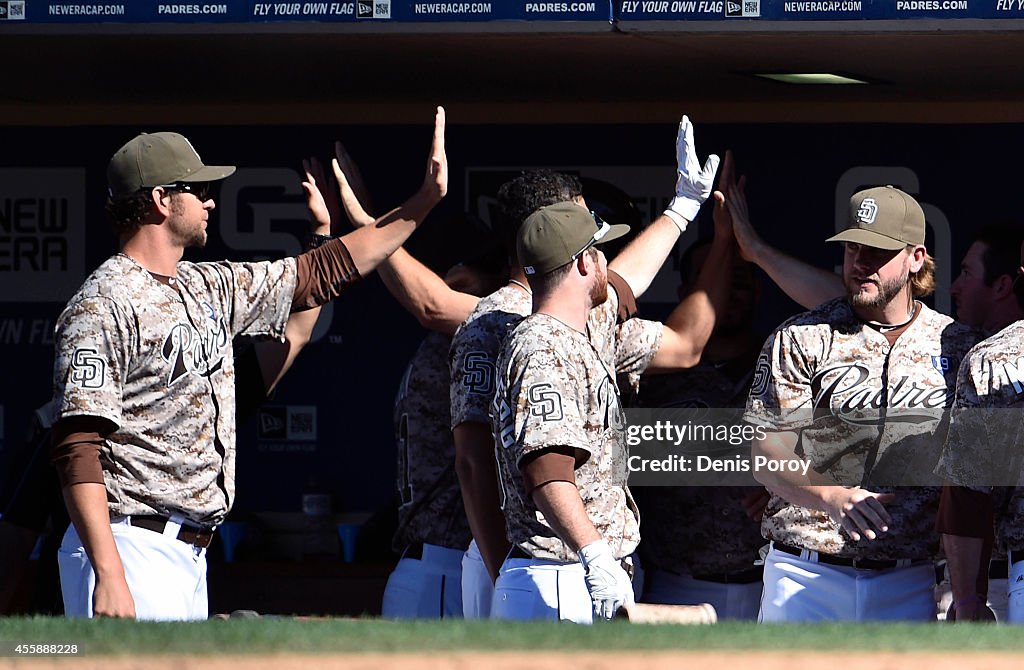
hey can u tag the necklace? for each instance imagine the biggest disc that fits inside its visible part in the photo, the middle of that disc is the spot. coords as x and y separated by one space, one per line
886 327
521 285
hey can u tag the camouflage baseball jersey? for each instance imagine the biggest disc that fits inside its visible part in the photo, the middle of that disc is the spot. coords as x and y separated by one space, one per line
867 398
986 429
699 530
156 360
475 349
628 347
556 388
431 508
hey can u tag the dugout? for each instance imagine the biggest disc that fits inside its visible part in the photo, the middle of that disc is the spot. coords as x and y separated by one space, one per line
597 91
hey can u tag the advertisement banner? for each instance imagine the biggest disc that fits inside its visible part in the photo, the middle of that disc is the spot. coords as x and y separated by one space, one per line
42 233
251 11
407 11
629 12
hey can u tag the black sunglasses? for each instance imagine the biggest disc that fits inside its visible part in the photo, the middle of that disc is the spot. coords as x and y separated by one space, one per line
601 224
200 189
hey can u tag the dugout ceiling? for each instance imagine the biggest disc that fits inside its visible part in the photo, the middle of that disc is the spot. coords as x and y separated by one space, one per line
923 71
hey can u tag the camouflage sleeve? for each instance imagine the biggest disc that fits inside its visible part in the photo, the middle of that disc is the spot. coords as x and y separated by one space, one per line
94 341
256 296
782 383
603 321
970 440
546 400
471 361
637 342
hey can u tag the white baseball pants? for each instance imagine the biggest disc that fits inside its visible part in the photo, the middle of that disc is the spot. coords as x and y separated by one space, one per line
477 588
798 588
429 587
166 577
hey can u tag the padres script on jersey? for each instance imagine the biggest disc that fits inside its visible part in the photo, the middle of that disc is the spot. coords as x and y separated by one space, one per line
699 530
985 433
556 387
866 396
431 509
156 360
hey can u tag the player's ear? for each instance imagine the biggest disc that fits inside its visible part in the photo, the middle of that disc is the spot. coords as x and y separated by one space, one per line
1003 285
581 264
918 253
161 200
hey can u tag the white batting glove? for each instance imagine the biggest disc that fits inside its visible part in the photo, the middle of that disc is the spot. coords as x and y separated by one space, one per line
693 183
609 585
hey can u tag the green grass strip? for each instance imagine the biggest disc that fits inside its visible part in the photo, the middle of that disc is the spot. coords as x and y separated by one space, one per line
274 635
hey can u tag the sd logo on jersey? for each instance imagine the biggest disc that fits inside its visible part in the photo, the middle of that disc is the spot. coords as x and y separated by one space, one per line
762 376
88 370
545 402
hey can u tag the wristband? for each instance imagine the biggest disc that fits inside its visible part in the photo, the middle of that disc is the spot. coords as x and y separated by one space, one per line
677 219
316 240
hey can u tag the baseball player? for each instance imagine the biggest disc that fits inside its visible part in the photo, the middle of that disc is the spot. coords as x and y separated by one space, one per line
859 384
433 531
983 441
143 376
32 495
476 345
557 417
700 543
983 295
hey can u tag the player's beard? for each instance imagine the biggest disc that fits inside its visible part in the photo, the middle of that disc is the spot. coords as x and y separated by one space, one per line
887 291
186 233
599 290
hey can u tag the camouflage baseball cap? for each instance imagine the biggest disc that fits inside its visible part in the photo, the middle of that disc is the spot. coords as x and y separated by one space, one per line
158 159
883 217
557 234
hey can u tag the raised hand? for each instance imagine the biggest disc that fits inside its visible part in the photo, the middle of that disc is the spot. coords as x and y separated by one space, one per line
435 183
319 210
351 188
749 241
693 182
722 216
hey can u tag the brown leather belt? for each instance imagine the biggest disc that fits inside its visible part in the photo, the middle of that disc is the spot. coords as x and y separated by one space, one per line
414 551
197 537
849 561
